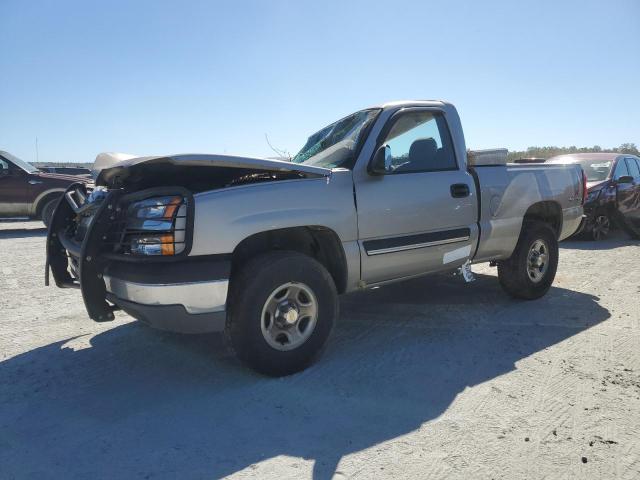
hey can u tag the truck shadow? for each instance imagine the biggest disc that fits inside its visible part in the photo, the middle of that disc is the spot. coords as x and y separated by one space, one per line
135 402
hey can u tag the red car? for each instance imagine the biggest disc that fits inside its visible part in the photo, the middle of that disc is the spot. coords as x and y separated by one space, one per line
613 182
27 192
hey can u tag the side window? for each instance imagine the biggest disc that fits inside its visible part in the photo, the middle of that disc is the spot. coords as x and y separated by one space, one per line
632 166
4 166
420 142
621 170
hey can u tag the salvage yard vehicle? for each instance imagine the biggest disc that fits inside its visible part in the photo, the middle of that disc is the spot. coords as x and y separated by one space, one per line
613 192
27 192
261 249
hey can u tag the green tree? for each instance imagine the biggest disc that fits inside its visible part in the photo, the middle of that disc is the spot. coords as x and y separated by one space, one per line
552 151
628 148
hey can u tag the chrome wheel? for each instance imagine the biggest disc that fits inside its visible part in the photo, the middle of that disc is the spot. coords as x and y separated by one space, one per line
601 227
537 260
289 316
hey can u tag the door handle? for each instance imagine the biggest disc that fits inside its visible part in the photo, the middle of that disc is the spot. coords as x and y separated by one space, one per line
35 182
460 190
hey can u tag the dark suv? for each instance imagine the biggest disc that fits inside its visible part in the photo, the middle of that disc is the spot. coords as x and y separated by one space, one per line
27 192
613 182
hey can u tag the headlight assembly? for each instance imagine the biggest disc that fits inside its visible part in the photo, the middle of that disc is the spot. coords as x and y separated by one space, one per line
156 226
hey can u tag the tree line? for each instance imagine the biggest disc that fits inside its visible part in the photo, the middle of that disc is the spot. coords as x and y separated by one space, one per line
547 152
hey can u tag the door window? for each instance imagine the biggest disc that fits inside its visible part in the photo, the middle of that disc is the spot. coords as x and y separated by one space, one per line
632 166
621 170
420 142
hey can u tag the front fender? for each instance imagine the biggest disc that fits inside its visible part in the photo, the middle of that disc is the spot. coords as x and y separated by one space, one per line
223 218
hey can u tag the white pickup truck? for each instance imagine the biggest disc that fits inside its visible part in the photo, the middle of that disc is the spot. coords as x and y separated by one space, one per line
261 248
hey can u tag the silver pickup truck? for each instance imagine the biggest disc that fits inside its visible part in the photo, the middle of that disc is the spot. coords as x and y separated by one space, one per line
261 249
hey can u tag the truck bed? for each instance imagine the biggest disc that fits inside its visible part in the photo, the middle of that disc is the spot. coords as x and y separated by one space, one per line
505 193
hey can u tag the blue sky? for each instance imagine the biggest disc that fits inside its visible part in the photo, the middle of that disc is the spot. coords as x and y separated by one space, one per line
155 77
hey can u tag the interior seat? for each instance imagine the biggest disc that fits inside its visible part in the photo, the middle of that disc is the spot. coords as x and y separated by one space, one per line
422 155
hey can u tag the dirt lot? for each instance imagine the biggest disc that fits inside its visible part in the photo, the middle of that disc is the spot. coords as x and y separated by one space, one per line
427 379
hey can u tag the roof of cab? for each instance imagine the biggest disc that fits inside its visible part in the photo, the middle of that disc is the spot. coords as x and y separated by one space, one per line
412 103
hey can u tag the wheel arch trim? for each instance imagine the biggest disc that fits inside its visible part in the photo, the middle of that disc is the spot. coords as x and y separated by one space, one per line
39 200
322 242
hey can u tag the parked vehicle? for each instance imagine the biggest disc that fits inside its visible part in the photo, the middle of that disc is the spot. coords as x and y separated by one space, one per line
262 248
613 182
27 192
81 171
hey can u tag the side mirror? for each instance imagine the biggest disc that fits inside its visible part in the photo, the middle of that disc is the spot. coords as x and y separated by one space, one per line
625 179
381 162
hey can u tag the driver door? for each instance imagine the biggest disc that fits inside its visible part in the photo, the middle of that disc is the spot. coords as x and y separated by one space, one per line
14 190
420 216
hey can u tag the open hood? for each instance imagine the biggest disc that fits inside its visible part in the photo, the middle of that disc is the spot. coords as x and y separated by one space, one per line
125 168
107 160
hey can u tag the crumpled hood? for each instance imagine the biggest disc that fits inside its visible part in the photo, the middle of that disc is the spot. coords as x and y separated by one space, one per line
107 160
122 168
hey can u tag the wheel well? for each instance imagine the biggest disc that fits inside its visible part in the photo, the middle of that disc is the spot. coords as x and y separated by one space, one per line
44 200
547 212
320 243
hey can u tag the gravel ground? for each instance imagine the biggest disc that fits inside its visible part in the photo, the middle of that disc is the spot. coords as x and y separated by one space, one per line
427 379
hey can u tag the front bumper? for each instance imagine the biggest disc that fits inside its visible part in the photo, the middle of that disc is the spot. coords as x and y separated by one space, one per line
172 318
186 297
195 297
184 294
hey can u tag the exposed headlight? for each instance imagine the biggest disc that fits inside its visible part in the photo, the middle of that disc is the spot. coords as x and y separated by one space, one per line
592 196
156 226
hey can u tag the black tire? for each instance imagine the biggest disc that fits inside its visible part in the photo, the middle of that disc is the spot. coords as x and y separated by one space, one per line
253 285
514 274
47 211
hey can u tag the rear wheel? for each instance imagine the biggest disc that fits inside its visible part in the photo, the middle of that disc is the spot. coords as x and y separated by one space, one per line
282 309
530 271
47 211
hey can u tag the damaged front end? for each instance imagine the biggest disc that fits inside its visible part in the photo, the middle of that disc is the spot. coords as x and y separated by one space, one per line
125 243
94 229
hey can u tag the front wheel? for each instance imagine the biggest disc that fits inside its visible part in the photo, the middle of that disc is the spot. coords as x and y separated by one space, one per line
282 308
601 227
530 271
